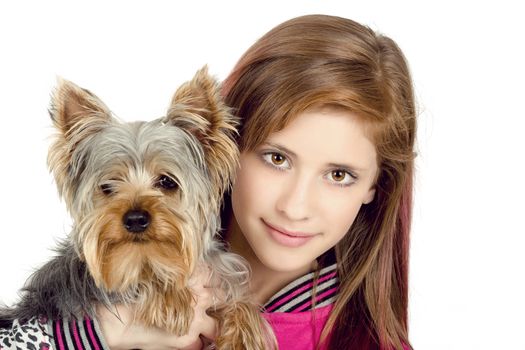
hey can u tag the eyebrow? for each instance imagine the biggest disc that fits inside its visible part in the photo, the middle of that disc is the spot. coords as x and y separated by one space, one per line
281 148
342 166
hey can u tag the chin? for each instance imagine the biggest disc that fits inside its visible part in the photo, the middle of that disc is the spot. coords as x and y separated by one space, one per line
278 264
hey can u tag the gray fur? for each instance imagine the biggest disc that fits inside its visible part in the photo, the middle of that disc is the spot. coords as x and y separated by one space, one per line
134 144
63 287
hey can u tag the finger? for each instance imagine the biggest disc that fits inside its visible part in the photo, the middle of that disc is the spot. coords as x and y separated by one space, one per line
217 296
198 344
209 327
208 344
202 327
201 276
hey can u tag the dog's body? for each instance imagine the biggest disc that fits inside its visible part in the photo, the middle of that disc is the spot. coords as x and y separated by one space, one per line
145 199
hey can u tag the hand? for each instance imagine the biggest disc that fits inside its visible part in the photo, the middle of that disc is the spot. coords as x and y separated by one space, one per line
123 334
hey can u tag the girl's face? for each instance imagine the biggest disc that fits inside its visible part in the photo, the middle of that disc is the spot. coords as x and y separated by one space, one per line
299 192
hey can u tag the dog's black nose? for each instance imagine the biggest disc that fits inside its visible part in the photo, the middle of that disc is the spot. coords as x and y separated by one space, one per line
136 221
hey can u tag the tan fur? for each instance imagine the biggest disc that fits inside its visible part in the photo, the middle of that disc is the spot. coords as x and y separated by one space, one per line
76 114
233 319
171 310
150 270
214 132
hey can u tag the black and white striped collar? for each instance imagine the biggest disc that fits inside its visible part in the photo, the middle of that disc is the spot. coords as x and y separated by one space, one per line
297 295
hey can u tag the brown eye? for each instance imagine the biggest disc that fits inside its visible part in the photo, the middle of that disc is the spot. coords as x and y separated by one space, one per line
166 182
341 177
338 175
277 159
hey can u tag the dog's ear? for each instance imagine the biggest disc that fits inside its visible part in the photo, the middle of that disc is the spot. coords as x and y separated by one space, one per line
77 114
198 108
72 105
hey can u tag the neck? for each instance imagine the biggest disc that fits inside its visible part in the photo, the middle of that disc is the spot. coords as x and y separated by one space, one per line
264 282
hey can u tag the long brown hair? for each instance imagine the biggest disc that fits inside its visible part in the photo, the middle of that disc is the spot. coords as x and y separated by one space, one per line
318 60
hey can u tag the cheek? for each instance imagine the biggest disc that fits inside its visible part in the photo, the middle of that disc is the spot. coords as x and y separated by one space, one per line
246 190
339 213
255 189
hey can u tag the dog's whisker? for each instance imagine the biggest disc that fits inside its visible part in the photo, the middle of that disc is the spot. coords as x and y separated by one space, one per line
144 198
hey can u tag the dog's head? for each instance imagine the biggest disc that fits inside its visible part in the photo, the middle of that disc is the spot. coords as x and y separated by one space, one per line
144 196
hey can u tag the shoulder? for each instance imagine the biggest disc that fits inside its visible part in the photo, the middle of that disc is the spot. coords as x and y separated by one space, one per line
43 334
308 292
32 334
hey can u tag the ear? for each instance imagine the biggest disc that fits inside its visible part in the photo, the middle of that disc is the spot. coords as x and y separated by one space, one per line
71 105
370 196
197 107
77 114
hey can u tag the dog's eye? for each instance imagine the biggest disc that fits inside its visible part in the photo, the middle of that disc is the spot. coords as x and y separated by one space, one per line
166 183
106 189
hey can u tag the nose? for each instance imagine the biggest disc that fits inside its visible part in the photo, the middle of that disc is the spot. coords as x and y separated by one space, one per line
136 221
294 201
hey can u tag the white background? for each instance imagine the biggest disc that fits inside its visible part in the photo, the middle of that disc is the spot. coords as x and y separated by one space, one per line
467 286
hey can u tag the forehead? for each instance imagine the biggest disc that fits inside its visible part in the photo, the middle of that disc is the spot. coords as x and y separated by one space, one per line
334 135
143 145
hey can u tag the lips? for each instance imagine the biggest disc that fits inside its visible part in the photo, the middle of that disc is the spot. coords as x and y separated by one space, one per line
287 238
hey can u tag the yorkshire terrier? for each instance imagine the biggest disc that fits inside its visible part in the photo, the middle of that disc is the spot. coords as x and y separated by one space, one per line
145 199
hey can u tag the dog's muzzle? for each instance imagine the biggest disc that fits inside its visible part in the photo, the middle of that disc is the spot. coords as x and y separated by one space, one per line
136 221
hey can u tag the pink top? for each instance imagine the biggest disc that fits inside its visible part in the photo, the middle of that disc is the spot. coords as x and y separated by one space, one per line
296 322
301 330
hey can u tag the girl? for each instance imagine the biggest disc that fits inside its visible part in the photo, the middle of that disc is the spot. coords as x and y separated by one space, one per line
327 139
321 206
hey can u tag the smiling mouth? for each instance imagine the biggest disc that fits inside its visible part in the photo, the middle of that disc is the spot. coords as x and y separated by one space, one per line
286 237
